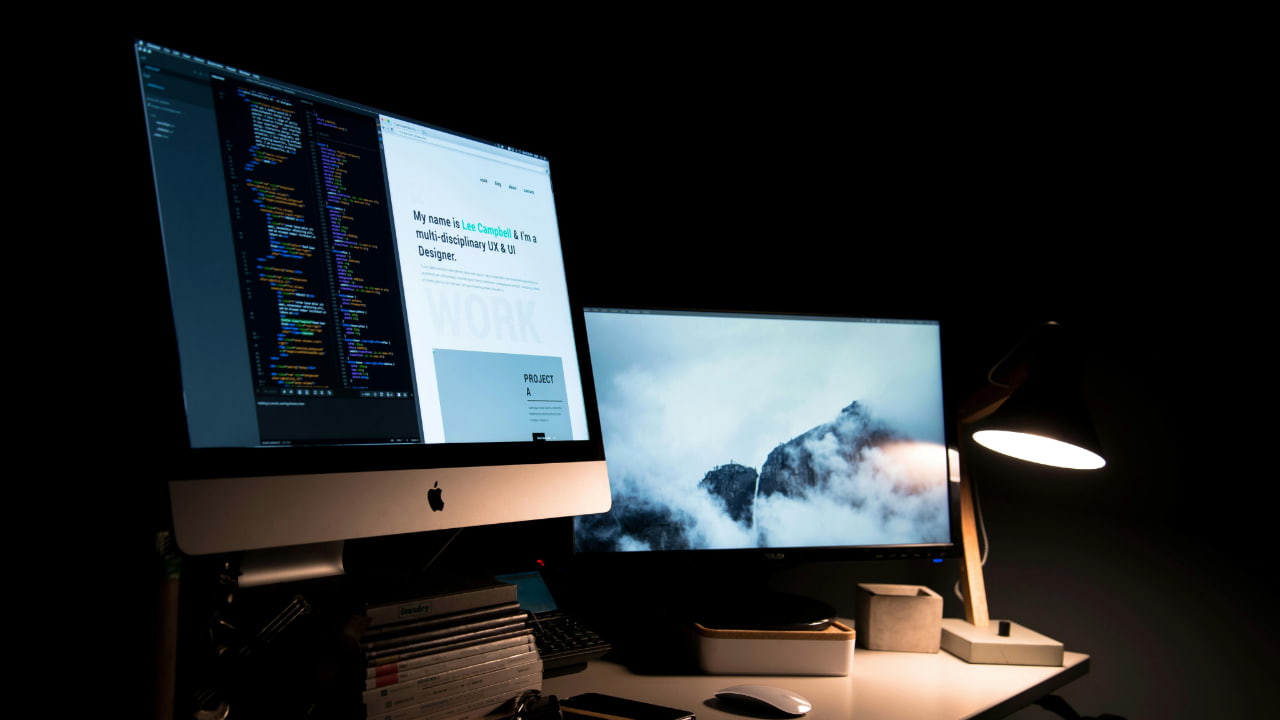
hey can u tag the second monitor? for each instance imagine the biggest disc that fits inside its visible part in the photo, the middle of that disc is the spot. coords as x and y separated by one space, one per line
767 433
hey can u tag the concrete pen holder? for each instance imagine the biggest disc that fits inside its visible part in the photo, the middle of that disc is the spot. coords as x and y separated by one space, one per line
905 618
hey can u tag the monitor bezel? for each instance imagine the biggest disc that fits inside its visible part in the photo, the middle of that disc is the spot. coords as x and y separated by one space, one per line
749 559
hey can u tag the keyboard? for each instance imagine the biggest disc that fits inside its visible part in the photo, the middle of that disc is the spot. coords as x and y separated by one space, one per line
566 645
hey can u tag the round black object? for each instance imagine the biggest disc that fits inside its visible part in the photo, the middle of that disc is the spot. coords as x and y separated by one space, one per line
767 611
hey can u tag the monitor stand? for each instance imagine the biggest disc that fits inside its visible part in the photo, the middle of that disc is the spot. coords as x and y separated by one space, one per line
293 563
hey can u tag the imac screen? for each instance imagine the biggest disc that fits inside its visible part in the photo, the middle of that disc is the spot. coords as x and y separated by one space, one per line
735 431
358 297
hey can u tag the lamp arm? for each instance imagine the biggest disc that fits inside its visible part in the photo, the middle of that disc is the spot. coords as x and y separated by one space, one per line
972 582
1015 369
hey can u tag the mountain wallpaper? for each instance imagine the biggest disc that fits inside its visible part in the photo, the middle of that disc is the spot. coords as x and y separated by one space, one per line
728 432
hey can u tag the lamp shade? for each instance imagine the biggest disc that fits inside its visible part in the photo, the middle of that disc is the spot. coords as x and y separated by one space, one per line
1044 421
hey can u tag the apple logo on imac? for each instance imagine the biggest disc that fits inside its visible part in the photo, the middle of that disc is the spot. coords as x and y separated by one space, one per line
434 497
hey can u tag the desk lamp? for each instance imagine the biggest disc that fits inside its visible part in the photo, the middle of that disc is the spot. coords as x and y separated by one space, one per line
1035 413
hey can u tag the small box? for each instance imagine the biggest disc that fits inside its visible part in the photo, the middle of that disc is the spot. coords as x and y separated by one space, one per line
903 618
776 652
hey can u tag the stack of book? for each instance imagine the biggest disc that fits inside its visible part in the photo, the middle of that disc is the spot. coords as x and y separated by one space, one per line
450 655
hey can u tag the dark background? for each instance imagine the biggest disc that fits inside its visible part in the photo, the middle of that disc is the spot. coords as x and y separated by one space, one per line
1088 179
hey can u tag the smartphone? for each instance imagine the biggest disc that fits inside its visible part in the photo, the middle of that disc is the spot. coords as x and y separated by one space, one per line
611 707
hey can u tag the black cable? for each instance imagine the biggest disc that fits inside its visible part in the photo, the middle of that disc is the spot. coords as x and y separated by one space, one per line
1058 706
1061 708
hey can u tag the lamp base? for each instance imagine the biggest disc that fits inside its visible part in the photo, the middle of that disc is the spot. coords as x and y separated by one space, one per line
987 646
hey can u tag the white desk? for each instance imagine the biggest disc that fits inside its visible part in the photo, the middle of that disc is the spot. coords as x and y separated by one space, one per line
882 686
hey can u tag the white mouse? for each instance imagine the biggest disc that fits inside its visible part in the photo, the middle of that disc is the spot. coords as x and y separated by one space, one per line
779 699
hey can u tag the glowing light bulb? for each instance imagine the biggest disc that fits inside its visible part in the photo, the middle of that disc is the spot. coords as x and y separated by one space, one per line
1039 449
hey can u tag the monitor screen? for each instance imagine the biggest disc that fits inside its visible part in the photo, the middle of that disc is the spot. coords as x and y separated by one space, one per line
735 431
372 317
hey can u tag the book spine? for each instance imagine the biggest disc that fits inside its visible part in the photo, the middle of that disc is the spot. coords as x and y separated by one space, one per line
456 626
447 698
437 639
442 604
444 685
390 660
385 673
478 703
447 661
482 705
465 702
441 622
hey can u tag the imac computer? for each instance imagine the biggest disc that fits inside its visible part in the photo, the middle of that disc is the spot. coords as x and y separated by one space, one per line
744 441
372 322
